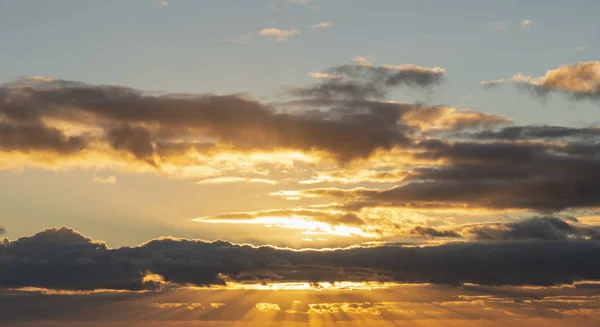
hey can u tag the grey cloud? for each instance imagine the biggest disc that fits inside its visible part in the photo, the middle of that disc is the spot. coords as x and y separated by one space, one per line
134 122
545 228
64 259
37 137
539 132
542 228
369 81
424 231
390 76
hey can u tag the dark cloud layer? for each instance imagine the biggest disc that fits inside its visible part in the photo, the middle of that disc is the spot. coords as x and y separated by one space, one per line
130 121
533 175
539 132
538 228
64 259
543 228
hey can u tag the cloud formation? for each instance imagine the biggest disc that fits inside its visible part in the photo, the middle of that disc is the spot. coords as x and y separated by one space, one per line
281 35
321 25
46 120
525 23
580 81
64 259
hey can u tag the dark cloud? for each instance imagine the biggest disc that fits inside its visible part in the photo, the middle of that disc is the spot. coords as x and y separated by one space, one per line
433 232
368 81
545 228
332 89
64 259
391 76
135 140
37 137
539 132
500 175
133 122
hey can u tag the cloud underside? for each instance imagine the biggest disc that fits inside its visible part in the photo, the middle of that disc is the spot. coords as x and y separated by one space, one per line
64 259
342 127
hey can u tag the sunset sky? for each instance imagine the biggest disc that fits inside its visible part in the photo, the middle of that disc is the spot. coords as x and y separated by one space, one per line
300 162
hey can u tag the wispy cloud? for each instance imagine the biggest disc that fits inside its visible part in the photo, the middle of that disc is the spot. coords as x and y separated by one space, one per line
321 25
229 180
579 80
578 48
161 4
525 23
324 76
499 26
309 3
281 35
240 40
105 180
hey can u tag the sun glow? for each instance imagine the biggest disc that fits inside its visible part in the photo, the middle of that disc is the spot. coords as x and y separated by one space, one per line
295 222
306 286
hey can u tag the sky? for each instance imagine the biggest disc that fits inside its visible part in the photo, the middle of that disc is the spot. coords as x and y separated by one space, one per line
320 158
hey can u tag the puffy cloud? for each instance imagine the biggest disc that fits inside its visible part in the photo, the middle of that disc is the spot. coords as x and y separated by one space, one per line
281 35
579 80
64 259
525 23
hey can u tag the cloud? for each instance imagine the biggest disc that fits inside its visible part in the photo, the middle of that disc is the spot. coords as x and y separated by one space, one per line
281 35
158 130
2 230
537 228
161 4
545 228
324 76
390 75
579 80
526 23
499 26
227 180
493 83
540 132
64 259
105 180
29 137
493 175
321 25
433 232
577 49
367 81
309 220
241 39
